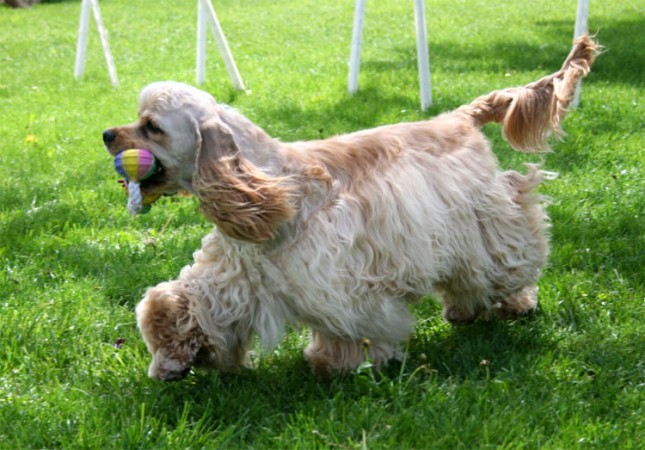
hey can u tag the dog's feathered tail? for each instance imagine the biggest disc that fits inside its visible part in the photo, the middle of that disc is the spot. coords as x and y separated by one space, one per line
530 113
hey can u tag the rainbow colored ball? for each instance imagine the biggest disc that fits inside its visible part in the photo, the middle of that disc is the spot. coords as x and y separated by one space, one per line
135 164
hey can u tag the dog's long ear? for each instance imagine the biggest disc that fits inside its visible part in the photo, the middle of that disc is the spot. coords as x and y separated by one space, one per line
161 313
243 201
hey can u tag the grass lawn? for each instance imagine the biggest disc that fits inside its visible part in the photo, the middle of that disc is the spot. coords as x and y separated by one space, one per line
73 263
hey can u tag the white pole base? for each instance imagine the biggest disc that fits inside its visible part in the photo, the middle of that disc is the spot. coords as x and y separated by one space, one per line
423 59
81 45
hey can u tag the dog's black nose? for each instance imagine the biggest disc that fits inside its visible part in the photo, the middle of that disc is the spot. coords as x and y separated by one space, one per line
109 136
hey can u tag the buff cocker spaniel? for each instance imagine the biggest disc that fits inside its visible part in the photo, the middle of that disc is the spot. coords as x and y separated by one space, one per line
342 234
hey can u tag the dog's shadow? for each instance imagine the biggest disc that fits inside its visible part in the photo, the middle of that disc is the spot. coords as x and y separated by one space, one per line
283 384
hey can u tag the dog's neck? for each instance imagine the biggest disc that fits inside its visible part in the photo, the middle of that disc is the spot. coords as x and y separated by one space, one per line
255 144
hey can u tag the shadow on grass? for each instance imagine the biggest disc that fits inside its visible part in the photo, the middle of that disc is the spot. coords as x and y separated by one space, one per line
515 356
70 240
623 42
284 385
622 61
362 110
600 244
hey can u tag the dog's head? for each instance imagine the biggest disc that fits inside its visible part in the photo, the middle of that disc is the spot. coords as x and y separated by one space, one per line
173 328
206 149
168 126
171 336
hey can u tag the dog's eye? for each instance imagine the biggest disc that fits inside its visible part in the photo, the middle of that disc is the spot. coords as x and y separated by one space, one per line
151 127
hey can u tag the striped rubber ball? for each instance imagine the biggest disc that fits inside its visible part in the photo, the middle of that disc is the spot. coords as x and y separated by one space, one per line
135 164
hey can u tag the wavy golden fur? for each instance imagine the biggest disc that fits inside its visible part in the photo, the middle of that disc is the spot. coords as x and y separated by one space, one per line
342 234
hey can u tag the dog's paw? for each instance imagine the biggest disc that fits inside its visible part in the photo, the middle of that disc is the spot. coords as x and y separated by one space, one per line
457 316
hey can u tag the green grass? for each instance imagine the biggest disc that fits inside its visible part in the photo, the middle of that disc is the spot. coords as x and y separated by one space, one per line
74 264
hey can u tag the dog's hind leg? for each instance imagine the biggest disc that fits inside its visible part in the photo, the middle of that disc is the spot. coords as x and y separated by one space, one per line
462 307
326 354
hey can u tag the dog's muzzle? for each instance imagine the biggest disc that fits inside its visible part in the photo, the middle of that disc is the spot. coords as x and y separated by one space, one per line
171 375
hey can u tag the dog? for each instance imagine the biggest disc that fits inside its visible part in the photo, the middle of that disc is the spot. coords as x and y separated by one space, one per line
342 234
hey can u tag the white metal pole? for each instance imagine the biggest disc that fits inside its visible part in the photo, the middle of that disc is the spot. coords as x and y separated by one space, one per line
581 28
104 42
233 73
81 44
581 18
423 58
201 43
357 42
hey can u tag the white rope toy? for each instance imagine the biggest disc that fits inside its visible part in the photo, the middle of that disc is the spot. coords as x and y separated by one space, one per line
135 165
134 198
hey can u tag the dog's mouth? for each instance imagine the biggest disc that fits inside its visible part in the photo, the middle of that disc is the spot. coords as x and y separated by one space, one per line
154 182
159 184
176 376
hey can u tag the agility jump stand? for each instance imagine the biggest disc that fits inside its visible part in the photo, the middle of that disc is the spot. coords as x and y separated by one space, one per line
81 46
205 14
423 62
